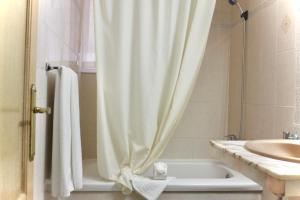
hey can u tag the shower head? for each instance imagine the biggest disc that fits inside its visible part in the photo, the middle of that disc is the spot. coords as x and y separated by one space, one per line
232 2
244 14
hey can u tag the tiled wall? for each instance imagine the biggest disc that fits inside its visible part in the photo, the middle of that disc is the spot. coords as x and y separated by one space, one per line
272 58
88 119
206 114
58 43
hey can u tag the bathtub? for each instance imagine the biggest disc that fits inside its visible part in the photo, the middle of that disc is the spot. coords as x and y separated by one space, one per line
195 179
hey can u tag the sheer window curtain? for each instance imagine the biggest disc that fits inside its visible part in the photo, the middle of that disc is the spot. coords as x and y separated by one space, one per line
87 60
148 57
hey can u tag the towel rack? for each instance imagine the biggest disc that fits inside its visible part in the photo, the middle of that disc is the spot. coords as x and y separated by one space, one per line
49 67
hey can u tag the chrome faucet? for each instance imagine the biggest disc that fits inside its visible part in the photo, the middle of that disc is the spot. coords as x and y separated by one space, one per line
231 137
290 136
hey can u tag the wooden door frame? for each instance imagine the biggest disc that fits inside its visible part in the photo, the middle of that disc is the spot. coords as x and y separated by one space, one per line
29 79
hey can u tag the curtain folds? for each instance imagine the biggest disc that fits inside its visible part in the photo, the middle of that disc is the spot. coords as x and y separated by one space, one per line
148 55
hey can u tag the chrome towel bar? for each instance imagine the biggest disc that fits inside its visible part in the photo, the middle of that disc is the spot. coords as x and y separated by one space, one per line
49 67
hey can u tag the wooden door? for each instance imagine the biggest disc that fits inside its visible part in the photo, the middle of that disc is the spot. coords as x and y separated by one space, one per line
17 69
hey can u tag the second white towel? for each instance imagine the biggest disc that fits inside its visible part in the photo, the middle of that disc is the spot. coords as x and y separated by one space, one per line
66 172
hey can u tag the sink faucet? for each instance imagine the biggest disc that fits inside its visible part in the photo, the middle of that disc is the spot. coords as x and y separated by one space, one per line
290 136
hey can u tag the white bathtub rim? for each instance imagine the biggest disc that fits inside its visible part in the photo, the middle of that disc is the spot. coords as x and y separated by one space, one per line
237 183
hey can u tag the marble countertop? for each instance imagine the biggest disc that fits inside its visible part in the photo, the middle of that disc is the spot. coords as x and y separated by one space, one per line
282 170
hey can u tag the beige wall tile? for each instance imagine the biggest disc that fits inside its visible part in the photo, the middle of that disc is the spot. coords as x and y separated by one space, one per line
260 85
180 148
284 120
235 78
285 75
286 25
259 121
270 68
201 120
261 45
88 112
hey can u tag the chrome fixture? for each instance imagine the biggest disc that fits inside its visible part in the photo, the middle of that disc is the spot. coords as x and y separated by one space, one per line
231 137
49 67
290 136
244 13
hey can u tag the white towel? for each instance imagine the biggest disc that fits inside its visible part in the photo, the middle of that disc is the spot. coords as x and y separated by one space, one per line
148 188
66 172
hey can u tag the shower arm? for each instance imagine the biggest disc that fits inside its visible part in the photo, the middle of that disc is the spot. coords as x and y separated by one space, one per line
244 14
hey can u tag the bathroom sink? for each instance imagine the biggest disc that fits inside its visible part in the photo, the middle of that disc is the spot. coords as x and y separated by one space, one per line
288 150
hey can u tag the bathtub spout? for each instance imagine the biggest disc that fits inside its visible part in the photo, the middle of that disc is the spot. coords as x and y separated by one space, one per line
231 137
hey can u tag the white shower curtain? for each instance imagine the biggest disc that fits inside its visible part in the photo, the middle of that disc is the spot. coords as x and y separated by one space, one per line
148 55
